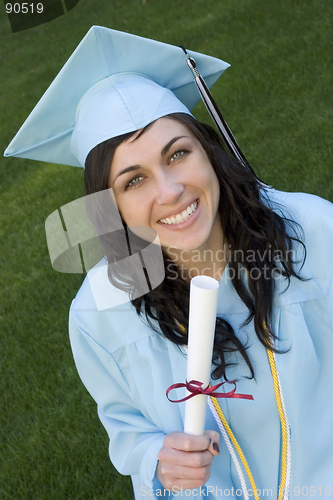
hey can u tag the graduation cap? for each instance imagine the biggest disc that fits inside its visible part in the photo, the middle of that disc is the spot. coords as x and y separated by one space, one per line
112 84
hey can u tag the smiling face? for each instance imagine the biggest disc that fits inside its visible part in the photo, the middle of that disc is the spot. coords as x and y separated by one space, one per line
163 179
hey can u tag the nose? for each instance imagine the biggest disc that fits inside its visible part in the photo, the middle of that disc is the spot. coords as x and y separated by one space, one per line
169 189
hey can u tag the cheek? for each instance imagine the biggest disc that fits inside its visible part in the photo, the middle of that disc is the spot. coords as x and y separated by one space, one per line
134 212
209 182
213 191
216 189
202 170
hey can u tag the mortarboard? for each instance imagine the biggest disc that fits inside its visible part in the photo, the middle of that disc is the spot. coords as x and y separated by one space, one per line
112 84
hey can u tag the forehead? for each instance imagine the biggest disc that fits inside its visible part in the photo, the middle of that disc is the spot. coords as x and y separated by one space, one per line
150 141
160 130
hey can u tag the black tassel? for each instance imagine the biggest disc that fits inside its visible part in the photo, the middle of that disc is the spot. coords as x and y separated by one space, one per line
215 113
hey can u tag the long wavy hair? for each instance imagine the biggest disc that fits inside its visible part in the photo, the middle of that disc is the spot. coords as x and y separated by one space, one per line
251 228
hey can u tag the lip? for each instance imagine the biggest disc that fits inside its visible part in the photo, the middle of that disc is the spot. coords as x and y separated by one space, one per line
181 209
185 223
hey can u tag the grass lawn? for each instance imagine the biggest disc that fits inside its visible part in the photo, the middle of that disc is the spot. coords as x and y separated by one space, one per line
277 99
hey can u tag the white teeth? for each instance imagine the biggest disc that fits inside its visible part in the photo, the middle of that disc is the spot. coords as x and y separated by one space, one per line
182 217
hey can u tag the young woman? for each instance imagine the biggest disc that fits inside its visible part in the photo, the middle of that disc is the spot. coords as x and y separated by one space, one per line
271 253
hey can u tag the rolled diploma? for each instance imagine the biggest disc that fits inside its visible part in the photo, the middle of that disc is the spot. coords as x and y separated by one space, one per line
202 320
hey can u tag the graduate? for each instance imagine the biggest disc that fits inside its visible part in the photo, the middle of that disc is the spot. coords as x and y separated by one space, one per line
169 199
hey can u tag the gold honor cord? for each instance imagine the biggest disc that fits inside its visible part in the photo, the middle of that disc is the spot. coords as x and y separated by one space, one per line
236 445
282 493
286 452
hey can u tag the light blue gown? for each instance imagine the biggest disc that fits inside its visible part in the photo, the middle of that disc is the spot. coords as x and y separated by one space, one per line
127 368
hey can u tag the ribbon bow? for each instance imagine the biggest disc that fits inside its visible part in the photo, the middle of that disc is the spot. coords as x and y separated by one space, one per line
195 388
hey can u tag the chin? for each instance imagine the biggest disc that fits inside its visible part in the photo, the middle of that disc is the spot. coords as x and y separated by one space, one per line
184 245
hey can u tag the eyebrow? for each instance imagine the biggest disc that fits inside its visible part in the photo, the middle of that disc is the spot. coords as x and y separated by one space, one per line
166 148
170 143
125 170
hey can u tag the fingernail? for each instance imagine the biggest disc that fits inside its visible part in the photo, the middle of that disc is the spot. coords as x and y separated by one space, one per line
216 447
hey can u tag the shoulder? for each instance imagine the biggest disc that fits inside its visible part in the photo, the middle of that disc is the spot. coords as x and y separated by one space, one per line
105 313
314 218
305 209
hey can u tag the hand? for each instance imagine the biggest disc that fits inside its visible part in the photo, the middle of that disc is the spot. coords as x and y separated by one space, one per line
184 461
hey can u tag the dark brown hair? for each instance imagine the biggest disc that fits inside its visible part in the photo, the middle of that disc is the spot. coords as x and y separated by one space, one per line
249 224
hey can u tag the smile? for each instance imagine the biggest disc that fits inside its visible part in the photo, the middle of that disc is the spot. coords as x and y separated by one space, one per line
182 217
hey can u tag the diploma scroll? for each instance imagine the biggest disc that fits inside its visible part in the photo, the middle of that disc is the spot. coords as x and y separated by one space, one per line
202 320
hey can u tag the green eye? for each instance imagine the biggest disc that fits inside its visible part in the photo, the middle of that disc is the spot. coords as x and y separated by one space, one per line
133 182
178 154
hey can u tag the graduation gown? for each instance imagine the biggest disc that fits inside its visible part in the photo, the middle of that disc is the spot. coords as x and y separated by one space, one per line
127 367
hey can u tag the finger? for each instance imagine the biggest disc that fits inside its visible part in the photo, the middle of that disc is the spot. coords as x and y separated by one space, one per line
185 458
214 447
176 484
185 442
172 471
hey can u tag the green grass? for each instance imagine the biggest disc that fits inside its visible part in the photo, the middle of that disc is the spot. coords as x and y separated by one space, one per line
277 99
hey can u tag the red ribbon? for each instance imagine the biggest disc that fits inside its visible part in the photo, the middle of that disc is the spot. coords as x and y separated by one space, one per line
195 388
